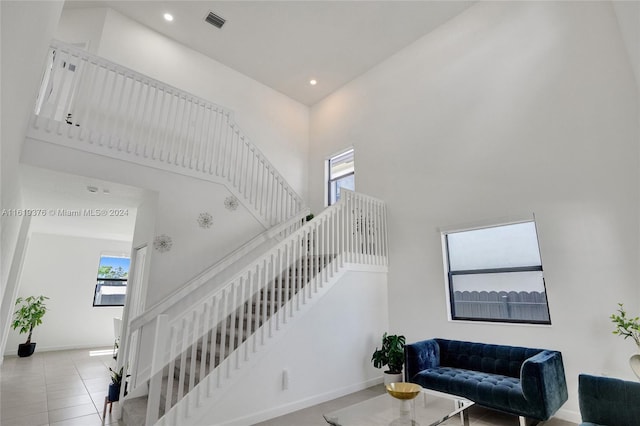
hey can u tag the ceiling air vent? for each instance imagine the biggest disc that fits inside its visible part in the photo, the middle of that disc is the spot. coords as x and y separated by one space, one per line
215 20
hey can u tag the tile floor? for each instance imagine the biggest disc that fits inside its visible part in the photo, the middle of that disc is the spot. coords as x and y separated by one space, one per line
67 388
61 388
312 416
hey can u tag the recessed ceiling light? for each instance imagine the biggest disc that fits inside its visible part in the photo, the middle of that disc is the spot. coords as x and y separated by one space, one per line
313 82
168 17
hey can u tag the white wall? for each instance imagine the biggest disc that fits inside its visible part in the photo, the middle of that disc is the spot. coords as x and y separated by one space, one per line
65 268
628 15
180 199
276 124
327 353
509 109
21 68
83 25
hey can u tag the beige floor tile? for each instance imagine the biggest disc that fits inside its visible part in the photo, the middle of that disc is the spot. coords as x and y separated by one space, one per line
63 393
97 385
71 412
98 398
558 422
10 400
69 401
93 373
11 375
72 386
22 382
39 419
28 408
110 417
88 420
61 372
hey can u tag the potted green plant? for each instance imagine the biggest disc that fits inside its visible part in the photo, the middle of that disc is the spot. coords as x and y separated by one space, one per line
628 327
116 384
26 318
392 355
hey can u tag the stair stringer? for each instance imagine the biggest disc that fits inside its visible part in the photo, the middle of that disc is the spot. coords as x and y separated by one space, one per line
199 401
103 150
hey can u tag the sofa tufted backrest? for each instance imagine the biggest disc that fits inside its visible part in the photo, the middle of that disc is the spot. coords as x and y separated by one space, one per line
487 358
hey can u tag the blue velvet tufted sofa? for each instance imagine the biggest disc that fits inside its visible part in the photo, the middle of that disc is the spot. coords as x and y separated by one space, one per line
529 383
608 401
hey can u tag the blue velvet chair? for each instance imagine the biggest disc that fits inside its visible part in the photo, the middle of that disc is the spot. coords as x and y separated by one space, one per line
605 401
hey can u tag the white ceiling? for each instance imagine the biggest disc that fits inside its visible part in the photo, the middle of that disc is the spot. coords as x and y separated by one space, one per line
284 44
55 196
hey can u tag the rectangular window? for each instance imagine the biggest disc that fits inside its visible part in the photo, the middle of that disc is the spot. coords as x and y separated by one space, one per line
111 286
495 274
341 174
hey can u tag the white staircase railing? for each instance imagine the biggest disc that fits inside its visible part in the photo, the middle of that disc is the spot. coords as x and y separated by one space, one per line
191 289
199 351
89 103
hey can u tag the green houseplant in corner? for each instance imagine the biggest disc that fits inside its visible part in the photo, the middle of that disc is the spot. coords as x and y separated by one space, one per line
392 355
628 327
116 383
26 318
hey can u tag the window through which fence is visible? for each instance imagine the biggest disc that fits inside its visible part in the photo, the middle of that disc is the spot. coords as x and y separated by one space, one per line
111 285
495 274
341 174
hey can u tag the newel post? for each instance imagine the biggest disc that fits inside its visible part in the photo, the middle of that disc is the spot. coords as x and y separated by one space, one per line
157 363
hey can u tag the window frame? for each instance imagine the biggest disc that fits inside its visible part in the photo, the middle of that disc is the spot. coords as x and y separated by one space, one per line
449 274
98 280
329 180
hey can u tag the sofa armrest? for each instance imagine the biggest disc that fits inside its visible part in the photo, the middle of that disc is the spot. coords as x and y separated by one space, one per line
420 356
544 383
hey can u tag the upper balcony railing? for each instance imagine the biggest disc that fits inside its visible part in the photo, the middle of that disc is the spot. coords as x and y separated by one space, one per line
91 104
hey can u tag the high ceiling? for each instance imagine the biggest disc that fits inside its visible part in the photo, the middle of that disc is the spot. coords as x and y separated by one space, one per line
285 44
66 204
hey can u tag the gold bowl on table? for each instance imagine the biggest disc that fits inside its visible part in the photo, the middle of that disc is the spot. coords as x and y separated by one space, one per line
402 390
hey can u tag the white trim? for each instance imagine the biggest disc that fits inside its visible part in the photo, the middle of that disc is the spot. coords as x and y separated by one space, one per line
327 159
90 346
487 223
510 324
342 151
484 224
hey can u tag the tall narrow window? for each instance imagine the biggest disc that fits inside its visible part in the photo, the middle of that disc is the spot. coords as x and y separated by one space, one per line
341 174
111 286
495 274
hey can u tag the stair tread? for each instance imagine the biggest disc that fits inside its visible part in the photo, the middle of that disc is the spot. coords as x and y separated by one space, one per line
260 306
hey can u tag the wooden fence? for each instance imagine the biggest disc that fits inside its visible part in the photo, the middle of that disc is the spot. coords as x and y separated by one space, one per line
502 305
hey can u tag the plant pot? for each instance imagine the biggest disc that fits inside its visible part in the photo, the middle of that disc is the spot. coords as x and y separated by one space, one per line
634 362
26 349
392 377
114 391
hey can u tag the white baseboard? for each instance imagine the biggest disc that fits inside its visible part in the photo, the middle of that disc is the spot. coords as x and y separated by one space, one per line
301 404
98 346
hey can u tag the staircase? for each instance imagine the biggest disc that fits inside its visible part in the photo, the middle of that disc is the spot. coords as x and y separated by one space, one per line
86 102
186 350
203 350
198 360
